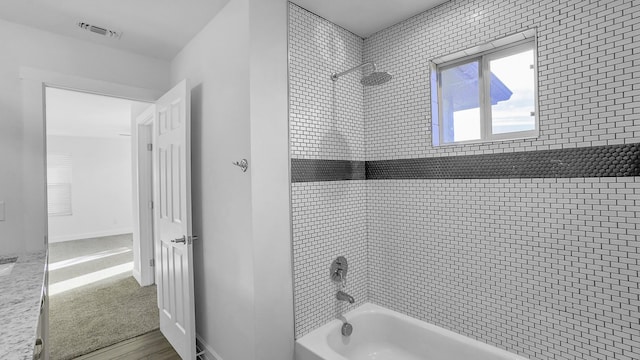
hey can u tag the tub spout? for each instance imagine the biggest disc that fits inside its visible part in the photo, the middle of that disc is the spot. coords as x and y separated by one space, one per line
343 296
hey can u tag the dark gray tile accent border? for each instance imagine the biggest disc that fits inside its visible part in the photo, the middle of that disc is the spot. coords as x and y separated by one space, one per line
308 170
596 161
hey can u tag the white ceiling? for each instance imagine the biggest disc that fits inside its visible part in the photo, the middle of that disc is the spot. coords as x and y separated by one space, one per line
161 28
156 28
72 113
366 17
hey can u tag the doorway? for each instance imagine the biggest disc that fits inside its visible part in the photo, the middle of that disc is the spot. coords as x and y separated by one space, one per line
172 229
94 299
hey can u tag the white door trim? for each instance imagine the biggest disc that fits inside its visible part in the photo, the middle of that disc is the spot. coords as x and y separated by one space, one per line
142 134
34 81
87 85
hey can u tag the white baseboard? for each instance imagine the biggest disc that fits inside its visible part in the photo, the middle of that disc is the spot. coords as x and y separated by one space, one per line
69 237
137 276
209 353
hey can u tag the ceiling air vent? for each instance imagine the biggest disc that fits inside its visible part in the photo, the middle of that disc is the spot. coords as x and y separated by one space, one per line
100 30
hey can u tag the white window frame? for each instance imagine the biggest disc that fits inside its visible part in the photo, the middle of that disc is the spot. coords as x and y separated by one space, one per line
484 54
59 189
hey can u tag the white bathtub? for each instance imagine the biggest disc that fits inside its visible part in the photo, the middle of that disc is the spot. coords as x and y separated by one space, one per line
383 334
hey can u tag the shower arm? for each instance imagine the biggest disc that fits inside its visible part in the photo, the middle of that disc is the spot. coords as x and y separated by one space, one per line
335 76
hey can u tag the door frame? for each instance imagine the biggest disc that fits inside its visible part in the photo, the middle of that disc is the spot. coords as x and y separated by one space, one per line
142 135
33 83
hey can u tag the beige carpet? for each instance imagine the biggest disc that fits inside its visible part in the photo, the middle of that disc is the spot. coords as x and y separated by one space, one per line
90 318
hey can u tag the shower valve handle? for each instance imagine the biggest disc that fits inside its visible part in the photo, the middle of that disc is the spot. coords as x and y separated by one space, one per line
338 271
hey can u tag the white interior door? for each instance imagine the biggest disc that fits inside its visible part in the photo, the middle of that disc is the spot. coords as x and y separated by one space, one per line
172 219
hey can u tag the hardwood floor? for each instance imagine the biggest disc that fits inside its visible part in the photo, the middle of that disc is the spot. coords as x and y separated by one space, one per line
151 346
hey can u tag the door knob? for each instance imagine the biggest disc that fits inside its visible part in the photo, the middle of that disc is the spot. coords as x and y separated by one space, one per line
180 240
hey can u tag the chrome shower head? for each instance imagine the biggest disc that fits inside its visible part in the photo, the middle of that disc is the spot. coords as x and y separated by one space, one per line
376 78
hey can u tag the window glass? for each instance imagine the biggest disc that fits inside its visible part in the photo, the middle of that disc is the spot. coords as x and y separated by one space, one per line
59 179
487 96
460 101
59 199
512 93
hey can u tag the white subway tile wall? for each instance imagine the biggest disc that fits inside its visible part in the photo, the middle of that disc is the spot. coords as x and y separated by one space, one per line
546 268
326 122
588 53
326 117
329 220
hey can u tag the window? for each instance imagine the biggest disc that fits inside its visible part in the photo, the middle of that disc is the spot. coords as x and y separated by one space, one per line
59 184
487 96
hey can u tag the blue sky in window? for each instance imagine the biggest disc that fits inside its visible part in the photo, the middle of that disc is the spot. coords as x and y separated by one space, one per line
514 114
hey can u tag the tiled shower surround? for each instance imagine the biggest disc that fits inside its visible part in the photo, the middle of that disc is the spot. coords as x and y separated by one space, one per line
326 122
326 118
544 267
329 220
588 63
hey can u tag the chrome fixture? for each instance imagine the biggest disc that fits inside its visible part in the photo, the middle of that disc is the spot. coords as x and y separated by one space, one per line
346 329
182 240
243 164
185 239
338 271
373 78
343 296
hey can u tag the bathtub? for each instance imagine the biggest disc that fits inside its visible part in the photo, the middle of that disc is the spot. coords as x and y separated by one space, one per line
383 334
